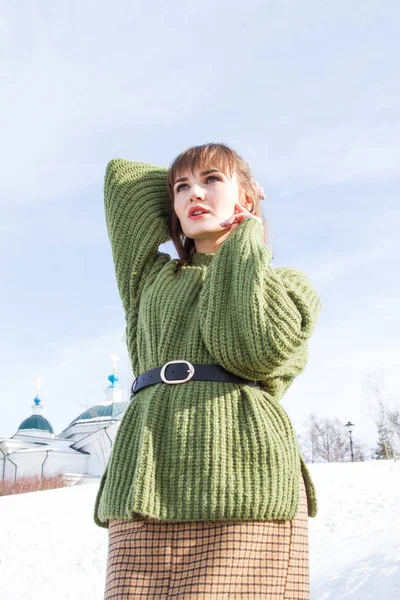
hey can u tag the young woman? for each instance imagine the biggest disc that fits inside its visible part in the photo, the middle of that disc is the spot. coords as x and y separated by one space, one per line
205 493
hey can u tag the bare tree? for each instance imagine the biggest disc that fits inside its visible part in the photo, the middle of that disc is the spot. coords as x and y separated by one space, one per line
325 440
334 444
310 440
393 417
385 413
384 449
359 452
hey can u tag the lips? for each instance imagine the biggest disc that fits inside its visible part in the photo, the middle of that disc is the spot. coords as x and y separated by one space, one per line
196 208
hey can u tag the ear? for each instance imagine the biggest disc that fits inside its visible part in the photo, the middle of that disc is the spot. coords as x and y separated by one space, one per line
246 201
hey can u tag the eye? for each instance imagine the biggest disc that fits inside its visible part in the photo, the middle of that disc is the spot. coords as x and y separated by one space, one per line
182 185
178 189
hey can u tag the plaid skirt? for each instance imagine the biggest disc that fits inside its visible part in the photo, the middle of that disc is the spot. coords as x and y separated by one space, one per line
205 560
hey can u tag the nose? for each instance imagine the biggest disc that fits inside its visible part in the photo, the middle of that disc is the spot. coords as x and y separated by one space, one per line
197 193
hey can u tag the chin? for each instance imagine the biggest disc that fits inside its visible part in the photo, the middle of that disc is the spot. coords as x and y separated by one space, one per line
197 227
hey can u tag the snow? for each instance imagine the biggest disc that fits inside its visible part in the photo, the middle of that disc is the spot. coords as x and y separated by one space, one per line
50 547
355 539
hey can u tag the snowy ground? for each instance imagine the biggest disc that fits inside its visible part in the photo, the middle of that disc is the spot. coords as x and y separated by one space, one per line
50 548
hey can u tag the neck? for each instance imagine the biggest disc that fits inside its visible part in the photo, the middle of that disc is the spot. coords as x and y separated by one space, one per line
207 245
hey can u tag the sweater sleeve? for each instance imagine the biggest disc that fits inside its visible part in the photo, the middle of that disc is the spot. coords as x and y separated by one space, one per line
255 320
136 211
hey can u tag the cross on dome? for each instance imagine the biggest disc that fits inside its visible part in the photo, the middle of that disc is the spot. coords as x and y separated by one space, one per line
114 357
38 382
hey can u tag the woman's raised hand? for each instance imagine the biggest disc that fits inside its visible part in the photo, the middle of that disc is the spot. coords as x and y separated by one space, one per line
238 217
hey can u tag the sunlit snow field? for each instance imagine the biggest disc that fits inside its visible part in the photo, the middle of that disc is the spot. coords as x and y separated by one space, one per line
51 549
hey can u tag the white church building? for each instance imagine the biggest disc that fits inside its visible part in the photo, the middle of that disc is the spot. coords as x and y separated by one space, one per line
79 452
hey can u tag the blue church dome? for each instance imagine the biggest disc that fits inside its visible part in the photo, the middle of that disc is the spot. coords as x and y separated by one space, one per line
112 411
36 422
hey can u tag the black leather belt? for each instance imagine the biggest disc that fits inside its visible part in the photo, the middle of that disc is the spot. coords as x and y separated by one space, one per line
181 371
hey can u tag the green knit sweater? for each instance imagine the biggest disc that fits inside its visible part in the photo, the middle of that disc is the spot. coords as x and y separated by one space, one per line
203 450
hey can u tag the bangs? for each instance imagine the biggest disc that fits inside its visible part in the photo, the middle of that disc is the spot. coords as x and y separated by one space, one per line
208 156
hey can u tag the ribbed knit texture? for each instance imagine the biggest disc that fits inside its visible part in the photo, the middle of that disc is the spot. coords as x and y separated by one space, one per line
204 450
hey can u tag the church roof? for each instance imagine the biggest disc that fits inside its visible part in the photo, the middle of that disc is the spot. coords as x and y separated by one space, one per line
36 422
101 411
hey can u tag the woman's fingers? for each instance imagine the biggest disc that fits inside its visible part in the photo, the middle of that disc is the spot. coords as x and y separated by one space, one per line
238 217
233 218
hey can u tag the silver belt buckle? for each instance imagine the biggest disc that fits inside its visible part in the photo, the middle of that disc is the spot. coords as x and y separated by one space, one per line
171 362
133 386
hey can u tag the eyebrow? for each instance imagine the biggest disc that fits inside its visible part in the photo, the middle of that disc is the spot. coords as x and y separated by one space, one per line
201 175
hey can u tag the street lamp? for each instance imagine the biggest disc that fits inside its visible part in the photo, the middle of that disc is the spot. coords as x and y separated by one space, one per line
350 428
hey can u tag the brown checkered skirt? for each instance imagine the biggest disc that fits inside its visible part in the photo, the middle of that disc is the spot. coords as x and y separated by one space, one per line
268 560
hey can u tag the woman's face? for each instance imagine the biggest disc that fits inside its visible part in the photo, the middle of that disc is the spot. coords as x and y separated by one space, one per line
216 193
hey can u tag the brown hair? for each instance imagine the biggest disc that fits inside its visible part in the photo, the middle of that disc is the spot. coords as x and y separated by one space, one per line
208 156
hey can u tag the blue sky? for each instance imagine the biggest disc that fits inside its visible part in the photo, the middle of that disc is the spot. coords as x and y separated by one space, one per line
307 92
